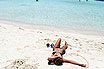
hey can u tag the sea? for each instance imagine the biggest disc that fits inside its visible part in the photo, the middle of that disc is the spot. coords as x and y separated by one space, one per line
71 14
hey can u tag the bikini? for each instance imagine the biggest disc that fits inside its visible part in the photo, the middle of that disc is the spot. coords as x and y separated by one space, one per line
58 50
55 52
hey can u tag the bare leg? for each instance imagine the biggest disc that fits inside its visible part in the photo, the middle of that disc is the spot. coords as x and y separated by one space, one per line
64 47
57 45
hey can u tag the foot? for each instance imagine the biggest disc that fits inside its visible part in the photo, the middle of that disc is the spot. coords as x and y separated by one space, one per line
66 44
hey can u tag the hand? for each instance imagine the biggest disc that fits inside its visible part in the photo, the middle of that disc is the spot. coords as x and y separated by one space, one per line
83 65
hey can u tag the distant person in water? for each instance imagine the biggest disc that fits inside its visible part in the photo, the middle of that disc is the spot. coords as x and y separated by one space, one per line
36 0
57 55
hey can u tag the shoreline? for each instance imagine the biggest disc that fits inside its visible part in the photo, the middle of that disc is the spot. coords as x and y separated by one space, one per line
52 28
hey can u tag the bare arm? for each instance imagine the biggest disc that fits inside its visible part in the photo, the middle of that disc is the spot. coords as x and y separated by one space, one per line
50 58
53 57
73 62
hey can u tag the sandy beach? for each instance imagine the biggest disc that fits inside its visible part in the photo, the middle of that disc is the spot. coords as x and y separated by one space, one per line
23 46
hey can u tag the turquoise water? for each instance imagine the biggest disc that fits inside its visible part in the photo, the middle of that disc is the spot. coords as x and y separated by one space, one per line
87 16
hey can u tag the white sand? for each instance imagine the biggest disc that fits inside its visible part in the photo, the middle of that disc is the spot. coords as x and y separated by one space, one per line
24 46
